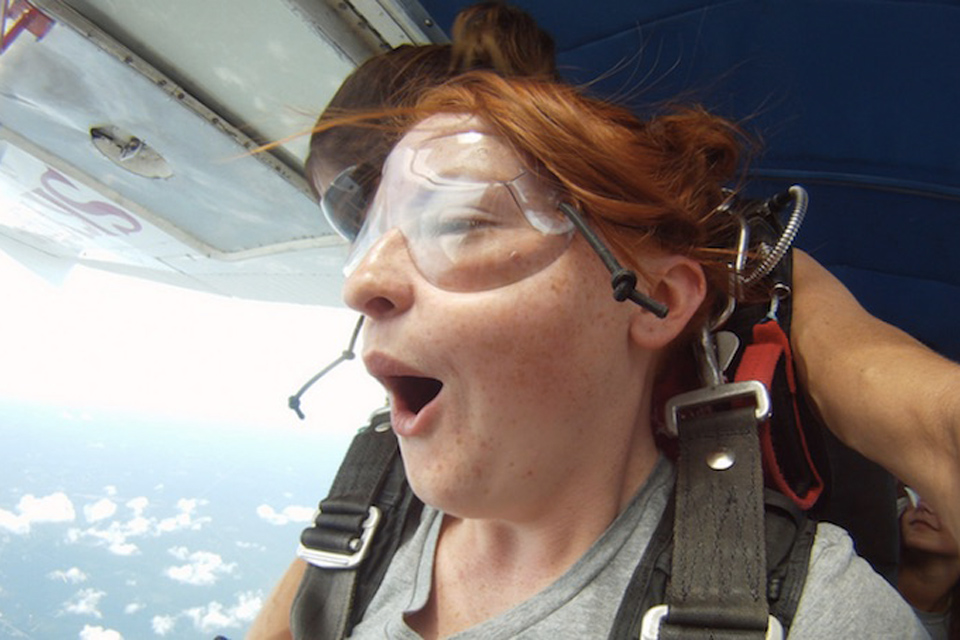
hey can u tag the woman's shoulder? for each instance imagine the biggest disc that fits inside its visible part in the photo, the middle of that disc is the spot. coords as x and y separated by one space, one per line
843 596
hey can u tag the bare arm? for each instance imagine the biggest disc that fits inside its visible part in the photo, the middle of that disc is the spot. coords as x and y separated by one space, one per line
879 390
273 621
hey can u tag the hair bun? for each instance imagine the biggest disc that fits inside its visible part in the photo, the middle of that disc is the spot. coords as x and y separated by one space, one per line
501 38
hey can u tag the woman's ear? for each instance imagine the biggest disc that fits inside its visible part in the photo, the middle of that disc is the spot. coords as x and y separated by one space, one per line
678 282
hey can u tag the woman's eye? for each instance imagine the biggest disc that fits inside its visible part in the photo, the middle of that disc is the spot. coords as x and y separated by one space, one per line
460 226
462 223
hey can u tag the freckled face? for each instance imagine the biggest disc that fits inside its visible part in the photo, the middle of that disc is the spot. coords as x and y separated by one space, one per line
500 397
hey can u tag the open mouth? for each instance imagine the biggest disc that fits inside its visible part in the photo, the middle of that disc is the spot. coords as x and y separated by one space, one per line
413 393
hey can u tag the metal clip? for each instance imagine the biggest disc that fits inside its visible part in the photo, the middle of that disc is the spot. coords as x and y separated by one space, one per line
650 625
335 560
716 390
723 393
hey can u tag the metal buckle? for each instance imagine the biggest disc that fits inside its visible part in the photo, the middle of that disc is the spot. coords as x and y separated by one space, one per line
334 560
713 395
650 625
717 390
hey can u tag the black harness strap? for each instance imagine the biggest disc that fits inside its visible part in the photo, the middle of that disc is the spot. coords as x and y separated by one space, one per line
358 528
718 587
648 585
789 537
332 600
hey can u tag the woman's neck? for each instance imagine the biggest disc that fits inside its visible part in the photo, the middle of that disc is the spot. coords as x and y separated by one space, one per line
550 538
484 567
926 580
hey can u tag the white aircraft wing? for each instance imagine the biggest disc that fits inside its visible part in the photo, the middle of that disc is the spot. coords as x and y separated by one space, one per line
128 133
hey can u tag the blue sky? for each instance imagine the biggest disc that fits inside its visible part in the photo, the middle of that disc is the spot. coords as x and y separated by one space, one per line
173 384
137 528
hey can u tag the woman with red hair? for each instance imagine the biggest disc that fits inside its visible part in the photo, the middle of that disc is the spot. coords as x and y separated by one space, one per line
521 391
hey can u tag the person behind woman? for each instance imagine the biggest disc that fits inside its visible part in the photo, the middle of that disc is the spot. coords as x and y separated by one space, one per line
882 392
929 573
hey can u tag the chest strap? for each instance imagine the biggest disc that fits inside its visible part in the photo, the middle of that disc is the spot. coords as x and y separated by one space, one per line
335 592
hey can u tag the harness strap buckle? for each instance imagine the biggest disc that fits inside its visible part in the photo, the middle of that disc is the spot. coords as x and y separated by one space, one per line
358 546
653 618
717 391
720 394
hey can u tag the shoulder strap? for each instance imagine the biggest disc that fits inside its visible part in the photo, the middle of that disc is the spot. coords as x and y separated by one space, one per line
789 537
357 530
648 585
716 589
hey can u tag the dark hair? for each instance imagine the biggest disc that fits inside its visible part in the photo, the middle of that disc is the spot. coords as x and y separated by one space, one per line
494 35
391 79
487 35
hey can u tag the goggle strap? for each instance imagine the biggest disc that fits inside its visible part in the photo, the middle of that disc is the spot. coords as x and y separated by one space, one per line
348 354
623 281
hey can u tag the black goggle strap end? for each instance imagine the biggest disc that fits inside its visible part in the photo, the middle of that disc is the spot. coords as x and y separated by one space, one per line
623 281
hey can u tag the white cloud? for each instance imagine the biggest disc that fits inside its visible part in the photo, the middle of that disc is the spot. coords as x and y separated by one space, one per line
85 602
13 523
215 616
162 625
251 545
289 514
99 633
114 537
138 505
123 549
180 553
119 536
83 416
73 575
53 508
202 568
248 606
186 518
31 510
100 510
134 607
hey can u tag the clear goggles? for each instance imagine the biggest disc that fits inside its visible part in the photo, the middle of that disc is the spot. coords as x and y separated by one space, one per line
473 216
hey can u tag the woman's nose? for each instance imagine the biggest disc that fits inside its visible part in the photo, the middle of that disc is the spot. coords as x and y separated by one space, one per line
381 284
922 505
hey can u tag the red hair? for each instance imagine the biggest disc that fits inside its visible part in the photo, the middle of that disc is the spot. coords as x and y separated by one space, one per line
654 184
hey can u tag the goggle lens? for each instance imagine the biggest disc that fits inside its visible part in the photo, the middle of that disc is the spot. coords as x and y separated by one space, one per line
473 217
